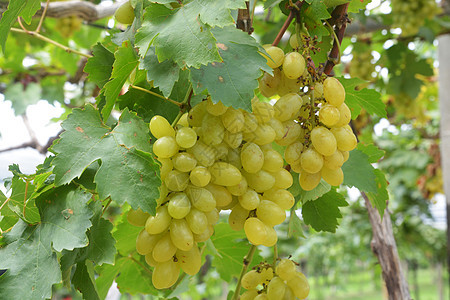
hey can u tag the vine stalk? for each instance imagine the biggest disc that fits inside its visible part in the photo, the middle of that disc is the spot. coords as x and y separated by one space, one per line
297 5
247 260
186 99
155 94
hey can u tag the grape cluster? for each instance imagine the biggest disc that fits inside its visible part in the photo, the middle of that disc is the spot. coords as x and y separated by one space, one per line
286 283
313 127
410 15
68 25
361 65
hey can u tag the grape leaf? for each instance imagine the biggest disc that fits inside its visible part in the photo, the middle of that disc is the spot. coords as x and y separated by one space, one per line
368 99
21 96
295 225
124 152
356 5
302 195
358 172
216 12
125 62
32 266
25 8
84 280
65 217
333 3
177 35
232 247
322 213
125 236
100 66
379 199
234 80
164 74
374 154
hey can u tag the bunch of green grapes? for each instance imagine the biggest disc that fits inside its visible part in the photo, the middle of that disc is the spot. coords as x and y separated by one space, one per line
286 283
361 65
410 15
68 25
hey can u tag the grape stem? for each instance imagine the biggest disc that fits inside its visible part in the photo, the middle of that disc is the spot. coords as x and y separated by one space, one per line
186 99
41 20
48 40
155 94
247 260
275 256
337 42
312 112
297 5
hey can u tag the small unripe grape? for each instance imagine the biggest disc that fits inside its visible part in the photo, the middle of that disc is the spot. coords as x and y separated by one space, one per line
252 158
201 198
233 120
299 285
179 206
329 115
225 174
164 249
276 56
345 139
293 65
278 127
137 217
181 234
212 216
196 114
200 176
184 162
190 261
263 111
287 85
345 155
150 260
270 213
255 230
159 222
165 147
215 109
237 217
238 189
250 122
212 130
249 295
145 242
177 181
125 13
263 135
249 200
204 154
287 106
283 179
220 193
311 161
283 198
271 237
344 115
294 42
165 274
268 84
276 289
309 181
197 221
205 235
334 161
323 141
160 127
333 177
186 137
233 140
234 158
184 121
333 91
293 131
293 152
318 90
273 161
166 167
286 269
221 151
261 181
251 279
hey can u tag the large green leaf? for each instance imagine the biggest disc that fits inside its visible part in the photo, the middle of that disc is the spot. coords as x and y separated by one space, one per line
358 172
32 266
100 66
124 153
379 199
125 236
356 5
216 12
322 213
234 80
177 35
84 280
21 96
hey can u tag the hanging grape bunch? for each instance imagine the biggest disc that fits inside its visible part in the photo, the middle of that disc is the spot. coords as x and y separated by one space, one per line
361 65
410 15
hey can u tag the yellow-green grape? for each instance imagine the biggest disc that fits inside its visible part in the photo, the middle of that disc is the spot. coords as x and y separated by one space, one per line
278 127
283 198
68 25
181 234
294 42
186 137
220 193
299 285
163 191
251 279
311 161
266 275
286 269
215 109
276 56
137 217
165 274
289 294
268 84
287 106
250 122
237 217
233 140
164 249
221 151
200 176
276 288
334 161
150 260
292 132
165 147
190 261
262 296
261 181
309 181
333 91
333 177
197 221
297 166
212 216
234 202
205 235
238 189
271 237
287 85
184 162
273 161
233 120
225 174
329 115
201 198
212 130
263 111
344 115
166 167
252 158
345 139
234 158
318 90
196 114
249 200
283 179
159 222
293 65
177 181
204 154
160 127
179 206
263 135
146 242
249 295
323 141
125 13
345 155
184 121
270 213
293 152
